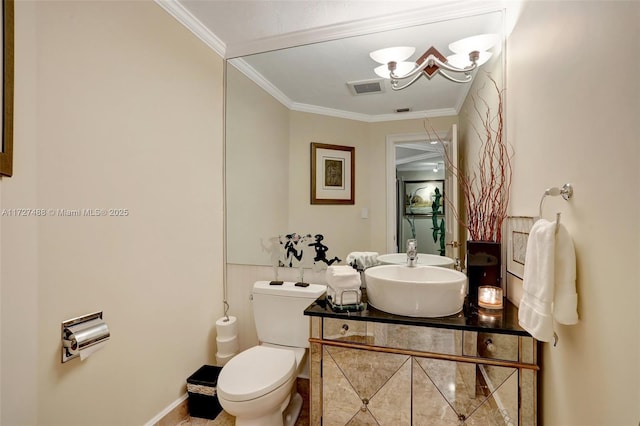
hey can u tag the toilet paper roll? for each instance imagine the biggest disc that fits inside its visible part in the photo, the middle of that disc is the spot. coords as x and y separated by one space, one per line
223 359
227 329
85 338
227 346
86 353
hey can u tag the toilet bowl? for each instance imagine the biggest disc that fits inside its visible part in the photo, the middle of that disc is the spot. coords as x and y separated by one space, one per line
257 386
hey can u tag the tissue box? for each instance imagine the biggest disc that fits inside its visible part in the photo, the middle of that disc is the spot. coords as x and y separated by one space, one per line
203 399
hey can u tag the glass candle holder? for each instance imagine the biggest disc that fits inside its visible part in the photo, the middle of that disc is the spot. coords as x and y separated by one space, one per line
490 297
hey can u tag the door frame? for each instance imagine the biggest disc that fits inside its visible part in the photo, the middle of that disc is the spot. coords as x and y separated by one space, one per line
391 142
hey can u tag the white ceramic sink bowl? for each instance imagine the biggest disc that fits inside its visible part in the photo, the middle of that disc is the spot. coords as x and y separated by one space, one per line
423 259
419 291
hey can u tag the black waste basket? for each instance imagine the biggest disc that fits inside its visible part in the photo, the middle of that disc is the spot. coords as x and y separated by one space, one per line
203 399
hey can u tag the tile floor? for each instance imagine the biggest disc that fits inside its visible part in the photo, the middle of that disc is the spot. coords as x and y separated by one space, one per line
225 419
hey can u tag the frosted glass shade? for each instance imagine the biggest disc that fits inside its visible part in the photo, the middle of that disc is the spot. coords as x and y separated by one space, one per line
392 54
402 68
461 60
480 43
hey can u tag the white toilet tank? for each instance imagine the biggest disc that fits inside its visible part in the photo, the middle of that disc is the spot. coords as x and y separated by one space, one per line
278 312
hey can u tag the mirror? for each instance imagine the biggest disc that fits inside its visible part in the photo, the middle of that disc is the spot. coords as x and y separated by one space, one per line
420 172
6 147
268 136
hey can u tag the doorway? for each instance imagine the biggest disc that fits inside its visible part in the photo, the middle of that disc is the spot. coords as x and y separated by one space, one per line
417 183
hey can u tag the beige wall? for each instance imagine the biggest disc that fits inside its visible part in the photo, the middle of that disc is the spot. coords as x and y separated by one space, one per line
573 118
257 169
350 232
117 106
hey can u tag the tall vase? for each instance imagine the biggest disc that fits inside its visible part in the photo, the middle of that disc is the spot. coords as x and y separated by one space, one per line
483 266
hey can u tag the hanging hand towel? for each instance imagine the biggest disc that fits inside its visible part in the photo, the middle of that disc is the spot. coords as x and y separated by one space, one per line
565 299
549 281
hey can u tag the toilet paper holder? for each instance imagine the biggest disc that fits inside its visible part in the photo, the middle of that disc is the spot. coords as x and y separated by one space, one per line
81 333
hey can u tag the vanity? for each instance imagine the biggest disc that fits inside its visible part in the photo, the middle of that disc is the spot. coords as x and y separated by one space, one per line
477 367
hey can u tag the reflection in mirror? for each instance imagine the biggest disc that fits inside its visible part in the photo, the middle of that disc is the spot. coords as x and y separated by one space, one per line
420 172
280 102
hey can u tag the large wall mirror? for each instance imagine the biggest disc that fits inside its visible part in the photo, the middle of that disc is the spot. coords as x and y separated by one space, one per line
279 102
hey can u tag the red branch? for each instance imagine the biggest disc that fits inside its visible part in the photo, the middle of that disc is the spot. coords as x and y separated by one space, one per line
486 188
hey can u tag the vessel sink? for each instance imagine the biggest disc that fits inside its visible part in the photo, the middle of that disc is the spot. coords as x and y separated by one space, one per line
418 291
423 259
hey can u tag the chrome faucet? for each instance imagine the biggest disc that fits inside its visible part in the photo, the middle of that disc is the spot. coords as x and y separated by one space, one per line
412 252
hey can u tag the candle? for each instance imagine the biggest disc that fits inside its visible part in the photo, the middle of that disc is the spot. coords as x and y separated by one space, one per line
490 297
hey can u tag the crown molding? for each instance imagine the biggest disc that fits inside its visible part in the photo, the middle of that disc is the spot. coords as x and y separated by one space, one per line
314 109
183 16
414 115
259 79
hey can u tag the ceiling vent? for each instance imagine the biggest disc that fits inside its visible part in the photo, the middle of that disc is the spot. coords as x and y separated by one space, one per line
365 87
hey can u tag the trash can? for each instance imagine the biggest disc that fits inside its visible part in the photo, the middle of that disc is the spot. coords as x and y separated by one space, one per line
201 387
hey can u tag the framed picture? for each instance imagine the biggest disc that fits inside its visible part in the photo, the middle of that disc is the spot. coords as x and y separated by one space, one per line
332 174
420 196
518 228
6 147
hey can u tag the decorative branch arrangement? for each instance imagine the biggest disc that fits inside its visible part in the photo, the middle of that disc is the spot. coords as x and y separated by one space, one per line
487 187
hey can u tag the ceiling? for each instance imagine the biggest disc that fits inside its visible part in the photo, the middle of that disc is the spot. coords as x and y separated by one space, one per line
305 53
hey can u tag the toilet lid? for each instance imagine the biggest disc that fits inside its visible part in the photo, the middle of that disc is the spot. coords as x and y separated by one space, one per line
255 372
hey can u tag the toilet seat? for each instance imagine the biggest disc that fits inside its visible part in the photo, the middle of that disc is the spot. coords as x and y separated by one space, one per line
255 372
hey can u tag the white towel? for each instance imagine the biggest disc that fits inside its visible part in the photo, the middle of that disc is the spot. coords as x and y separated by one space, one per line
342 277
362 259
549 281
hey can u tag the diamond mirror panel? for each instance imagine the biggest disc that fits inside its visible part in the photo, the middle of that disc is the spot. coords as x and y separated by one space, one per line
365 387
448 393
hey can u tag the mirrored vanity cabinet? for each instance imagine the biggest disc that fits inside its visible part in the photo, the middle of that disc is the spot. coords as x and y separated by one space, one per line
474 368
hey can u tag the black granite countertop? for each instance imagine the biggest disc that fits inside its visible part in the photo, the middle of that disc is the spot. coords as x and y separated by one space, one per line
471 318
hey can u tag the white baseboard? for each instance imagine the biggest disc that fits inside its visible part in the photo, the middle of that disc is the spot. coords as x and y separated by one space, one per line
167 410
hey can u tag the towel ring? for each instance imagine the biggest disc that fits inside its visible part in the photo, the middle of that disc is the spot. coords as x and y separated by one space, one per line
566 191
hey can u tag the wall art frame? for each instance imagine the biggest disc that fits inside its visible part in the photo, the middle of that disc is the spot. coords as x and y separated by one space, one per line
332 174
423 193
518 228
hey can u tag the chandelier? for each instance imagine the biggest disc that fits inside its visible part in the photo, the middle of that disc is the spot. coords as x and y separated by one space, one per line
469 54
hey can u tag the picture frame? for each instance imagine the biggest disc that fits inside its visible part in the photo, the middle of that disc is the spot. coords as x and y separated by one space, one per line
422 193
332 174
518 229
6 144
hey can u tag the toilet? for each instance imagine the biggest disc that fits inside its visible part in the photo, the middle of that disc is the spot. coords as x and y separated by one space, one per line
257 386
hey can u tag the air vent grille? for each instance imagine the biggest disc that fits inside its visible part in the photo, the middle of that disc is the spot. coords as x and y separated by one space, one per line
365 87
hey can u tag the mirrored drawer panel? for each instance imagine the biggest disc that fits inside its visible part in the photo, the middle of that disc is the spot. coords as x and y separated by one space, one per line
424 339
497 346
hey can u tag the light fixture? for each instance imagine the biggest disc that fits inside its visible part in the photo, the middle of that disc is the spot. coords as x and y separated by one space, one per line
470 53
